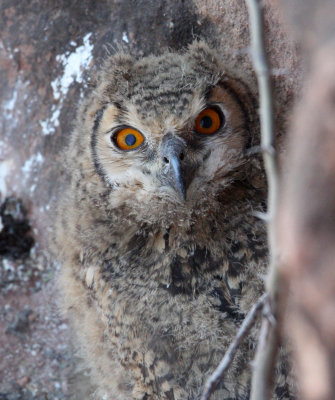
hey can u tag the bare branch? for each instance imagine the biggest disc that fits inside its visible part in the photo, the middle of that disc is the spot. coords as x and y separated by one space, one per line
247 324
268 341
268 338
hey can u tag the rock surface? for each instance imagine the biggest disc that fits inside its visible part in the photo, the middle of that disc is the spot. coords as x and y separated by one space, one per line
46 51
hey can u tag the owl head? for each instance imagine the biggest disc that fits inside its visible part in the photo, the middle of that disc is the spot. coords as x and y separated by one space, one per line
165 133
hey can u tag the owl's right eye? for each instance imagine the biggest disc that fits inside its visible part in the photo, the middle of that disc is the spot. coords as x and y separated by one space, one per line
209 121
128 139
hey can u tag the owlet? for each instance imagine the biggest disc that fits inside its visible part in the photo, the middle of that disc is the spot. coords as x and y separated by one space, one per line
162 255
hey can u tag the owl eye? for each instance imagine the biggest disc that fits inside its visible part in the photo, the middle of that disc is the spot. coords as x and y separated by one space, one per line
128 139
209 121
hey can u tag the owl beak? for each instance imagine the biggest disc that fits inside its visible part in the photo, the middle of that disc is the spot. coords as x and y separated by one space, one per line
177 180
172 152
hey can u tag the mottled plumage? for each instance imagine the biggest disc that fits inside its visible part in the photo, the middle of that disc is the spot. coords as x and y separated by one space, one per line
162 254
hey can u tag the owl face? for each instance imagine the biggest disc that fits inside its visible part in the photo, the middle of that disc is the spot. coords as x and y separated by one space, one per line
169 130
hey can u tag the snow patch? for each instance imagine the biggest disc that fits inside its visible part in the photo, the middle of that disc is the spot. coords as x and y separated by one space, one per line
32 163
49 125
7 265
10 104
74 65
125 37
5 168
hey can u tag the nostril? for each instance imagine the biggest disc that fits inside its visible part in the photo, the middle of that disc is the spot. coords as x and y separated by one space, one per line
181 157
166 160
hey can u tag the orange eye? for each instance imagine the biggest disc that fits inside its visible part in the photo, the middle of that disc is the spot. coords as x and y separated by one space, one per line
128 139
208 121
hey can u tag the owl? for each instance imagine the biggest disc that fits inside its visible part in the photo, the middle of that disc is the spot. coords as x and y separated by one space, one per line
162 254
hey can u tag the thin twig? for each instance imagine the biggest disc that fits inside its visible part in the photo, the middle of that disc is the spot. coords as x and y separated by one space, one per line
261 215
268 343
259 149
247 324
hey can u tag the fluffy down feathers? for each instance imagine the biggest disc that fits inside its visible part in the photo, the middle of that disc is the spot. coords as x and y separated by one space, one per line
155 284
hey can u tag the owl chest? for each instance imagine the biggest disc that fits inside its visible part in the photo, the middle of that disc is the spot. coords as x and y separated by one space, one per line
185 268
191 257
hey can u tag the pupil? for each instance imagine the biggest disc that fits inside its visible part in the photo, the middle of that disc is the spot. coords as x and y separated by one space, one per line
130 140
206 122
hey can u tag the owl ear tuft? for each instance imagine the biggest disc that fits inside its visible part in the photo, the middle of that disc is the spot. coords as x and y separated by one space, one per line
118 66
203 59
199 48
116 72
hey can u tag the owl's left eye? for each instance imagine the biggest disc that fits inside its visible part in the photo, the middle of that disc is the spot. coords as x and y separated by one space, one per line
209 121
128 139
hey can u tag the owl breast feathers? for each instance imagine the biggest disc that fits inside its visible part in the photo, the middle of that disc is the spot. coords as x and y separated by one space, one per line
162 254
